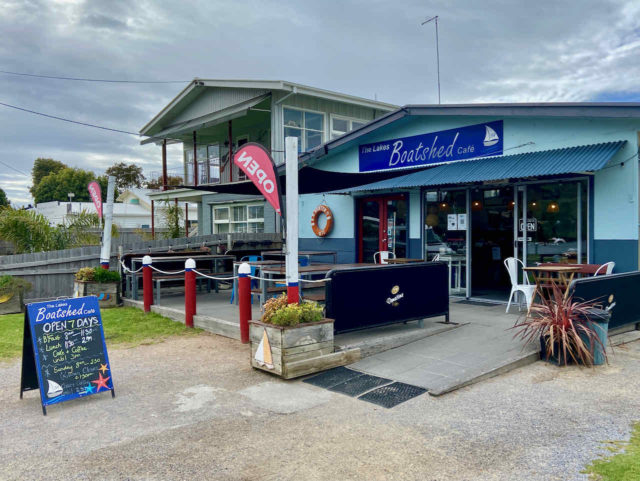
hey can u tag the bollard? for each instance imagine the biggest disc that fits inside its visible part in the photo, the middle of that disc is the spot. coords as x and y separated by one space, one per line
244 299
147 283
189 292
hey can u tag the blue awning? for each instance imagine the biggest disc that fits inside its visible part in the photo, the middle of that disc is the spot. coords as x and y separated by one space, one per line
570 160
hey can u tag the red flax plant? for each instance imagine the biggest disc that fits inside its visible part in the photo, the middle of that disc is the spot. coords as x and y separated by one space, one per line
565 328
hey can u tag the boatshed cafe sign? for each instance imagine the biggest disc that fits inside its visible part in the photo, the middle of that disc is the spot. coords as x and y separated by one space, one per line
481 140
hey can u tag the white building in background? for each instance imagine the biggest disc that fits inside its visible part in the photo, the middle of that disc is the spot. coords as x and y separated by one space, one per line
132 210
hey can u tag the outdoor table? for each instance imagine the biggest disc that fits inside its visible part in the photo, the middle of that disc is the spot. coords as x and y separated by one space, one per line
307 254
403 260
303 271
586 270
456 263
560 275
214 261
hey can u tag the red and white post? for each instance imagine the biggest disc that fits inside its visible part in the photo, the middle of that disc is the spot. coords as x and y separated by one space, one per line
291 160
189 292
244 300
147 283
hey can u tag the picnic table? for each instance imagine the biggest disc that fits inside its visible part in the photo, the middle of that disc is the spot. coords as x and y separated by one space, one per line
211 264
547 276
278 254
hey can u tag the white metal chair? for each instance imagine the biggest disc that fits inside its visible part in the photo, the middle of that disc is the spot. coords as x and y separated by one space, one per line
435 258
511 263
383 256
605 269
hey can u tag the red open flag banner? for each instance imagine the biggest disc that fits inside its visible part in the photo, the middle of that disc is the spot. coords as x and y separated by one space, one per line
254 160
96 196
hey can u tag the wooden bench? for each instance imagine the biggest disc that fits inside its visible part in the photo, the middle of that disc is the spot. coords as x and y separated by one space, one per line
317 296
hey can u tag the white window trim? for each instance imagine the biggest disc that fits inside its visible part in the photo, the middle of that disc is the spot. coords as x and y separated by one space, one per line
230 222
348 119
325 134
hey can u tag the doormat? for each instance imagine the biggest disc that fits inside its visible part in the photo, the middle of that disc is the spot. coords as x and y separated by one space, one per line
332 377
393 394
479 303
360 385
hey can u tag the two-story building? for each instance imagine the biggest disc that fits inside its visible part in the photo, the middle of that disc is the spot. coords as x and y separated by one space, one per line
212 118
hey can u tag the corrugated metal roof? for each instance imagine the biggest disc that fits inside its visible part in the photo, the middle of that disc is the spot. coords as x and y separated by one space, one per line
584 158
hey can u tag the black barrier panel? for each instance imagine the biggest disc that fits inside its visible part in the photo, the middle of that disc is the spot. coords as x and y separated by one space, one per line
622 290
362 297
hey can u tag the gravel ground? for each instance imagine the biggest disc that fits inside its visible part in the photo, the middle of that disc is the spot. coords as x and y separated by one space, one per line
193 409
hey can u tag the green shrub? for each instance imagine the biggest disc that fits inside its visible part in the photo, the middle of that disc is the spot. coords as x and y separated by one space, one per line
105 275
279 313
13 285
97 274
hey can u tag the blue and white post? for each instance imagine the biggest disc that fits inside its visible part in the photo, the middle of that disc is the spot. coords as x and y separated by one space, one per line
105 252
291 160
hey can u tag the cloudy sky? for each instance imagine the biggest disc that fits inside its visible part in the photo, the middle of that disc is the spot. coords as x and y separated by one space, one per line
490 51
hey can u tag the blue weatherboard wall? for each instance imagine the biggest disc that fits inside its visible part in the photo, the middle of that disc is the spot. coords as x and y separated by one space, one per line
615 188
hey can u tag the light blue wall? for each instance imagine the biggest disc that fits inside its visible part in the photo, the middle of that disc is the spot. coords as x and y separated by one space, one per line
615 187
343 210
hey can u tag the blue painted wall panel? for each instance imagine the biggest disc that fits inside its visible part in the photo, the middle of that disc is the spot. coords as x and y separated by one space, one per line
345 247
623 252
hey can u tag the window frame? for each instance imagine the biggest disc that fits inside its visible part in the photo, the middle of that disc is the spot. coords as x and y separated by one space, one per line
323 132
350 121
244 225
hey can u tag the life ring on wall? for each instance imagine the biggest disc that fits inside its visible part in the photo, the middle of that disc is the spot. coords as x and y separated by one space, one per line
322 209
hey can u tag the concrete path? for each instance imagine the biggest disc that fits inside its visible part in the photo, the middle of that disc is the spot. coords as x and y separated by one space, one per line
480 348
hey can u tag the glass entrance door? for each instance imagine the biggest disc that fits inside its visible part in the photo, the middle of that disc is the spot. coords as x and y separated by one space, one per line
382 226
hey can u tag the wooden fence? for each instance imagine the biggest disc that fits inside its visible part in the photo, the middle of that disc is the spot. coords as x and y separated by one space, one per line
51 273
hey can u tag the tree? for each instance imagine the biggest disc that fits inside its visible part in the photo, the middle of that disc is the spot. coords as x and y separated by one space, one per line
56 186
172 181
41 169
172 215
4 202
127 176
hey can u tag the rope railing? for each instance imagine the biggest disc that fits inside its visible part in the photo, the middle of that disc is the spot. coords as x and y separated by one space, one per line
269 279
126 269
169 273
228 278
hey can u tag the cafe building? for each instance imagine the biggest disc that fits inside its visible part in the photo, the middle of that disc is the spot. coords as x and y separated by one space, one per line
472 185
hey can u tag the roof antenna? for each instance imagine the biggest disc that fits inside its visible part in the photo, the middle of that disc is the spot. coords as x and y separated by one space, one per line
437 50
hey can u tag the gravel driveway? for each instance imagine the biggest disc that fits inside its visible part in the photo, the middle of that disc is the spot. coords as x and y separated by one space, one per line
192 408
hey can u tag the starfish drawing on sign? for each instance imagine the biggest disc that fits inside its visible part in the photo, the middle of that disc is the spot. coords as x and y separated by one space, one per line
46 371
101 382
89 389
44 356
103 368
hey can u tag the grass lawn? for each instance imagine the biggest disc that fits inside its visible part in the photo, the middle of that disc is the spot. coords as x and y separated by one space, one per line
123 326
623 465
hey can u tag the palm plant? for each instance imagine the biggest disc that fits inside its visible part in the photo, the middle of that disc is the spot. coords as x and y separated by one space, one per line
566 328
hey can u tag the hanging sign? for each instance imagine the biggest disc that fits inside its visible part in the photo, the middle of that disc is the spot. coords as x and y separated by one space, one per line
63 351
96 196
254 160
481 140
532 225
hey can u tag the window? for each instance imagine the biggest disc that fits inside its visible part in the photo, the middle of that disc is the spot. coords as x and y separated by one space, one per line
342 125
240 141
308 127
208 164
237 218
134 201
213 157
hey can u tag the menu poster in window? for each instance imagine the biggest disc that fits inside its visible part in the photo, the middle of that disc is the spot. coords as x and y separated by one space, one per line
452 222
462 221
63 351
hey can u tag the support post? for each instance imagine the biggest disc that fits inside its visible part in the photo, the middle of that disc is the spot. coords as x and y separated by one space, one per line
175 200
164 165
230 152
147 283
153 221
189 292
186 219
291 160
195 160
244 300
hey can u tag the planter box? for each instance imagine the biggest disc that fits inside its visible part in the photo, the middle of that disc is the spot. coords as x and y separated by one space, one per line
108 293
11 303
283 348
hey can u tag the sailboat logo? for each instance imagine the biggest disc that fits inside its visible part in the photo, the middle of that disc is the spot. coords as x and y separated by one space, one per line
490 137
263 354
54 389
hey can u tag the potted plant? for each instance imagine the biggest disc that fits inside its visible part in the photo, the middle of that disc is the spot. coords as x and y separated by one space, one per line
288 334
569 331
12 291
102 283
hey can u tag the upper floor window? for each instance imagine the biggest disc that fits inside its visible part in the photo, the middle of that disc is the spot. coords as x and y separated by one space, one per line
307 126
208 164
237 218
342 125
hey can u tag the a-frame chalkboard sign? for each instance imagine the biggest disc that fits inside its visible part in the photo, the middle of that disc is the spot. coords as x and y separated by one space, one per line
63 351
